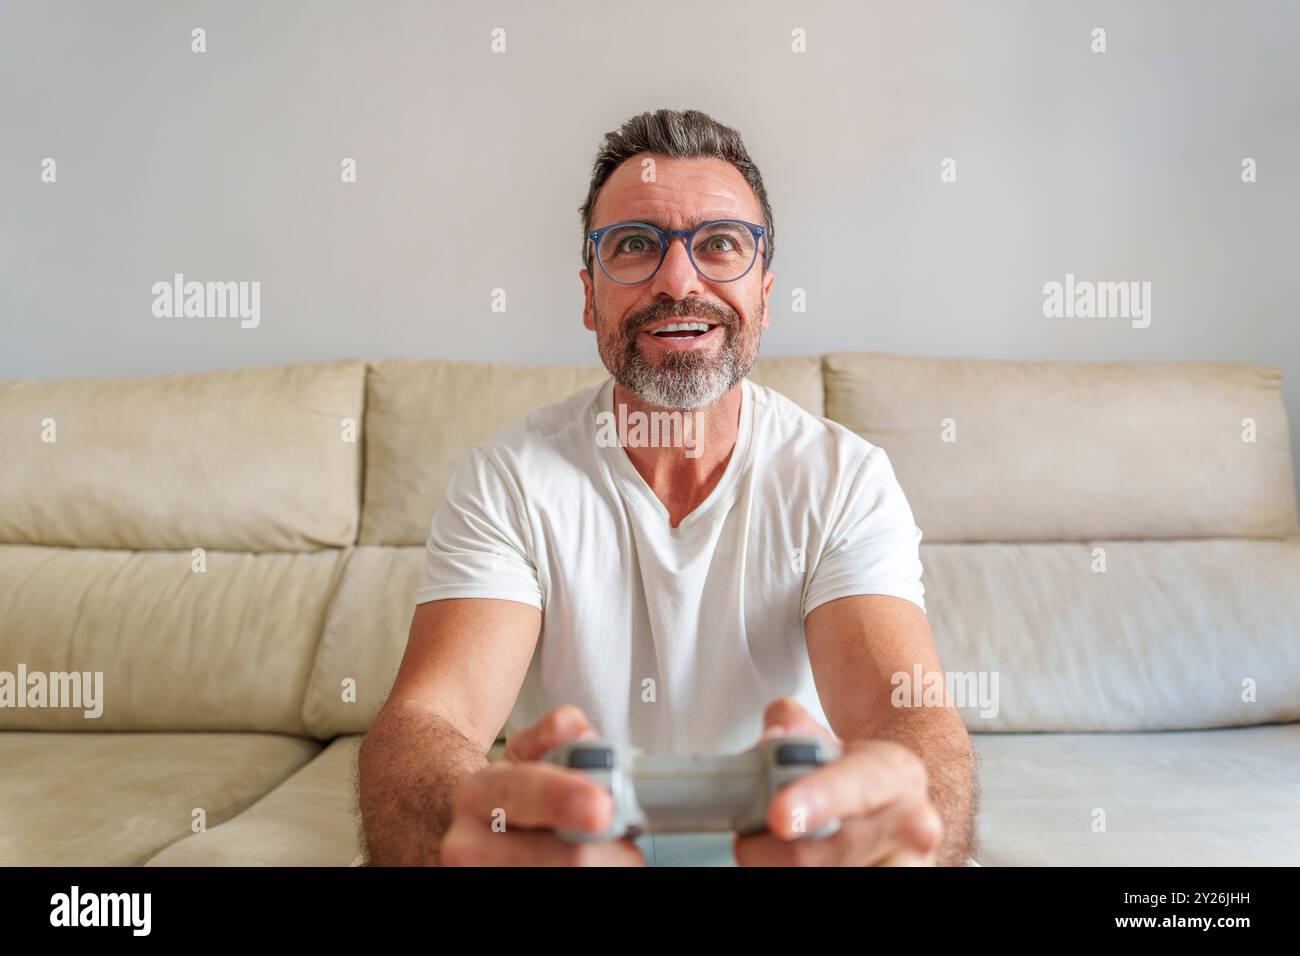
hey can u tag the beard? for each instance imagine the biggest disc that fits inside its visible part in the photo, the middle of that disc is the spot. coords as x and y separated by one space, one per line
686 379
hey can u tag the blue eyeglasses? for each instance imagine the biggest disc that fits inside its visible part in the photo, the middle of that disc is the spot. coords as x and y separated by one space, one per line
721 250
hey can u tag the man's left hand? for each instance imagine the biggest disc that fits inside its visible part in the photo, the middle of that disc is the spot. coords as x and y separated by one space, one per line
877 789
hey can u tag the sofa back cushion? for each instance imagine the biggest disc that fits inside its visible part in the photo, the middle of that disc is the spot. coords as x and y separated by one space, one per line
220 641
263 459
422 418
1103 636
1119 635
1047 451
364 639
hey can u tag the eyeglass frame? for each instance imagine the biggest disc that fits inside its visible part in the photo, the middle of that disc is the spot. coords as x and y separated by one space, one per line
666 236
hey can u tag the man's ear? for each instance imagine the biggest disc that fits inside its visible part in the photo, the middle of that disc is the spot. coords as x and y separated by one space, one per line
588 300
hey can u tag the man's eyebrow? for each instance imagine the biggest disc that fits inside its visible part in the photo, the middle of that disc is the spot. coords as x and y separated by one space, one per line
659 223
649 221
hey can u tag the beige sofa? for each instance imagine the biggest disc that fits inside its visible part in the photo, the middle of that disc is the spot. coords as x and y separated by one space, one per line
236 553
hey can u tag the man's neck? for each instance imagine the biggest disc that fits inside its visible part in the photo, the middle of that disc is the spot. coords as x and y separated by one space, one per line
683 477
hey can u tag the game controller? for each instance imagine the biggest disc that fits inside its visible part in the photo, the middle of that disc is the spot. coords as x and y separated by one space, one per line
692 793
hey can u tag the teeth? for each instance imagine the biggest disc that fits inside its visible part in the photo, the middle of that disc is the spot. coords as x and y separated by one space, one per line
684 327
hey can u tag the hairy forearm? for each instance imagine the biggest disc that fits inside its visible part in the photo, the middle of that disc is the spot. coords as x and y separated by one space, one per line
939 738
410 765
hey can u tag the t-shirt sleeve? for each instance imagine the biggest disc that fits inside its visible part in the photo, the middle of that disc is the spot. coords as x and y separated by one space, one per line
873 544
478 542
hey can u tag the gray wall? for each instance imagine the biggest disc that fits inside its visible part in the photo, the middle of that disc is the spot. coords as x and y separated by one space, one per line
225 166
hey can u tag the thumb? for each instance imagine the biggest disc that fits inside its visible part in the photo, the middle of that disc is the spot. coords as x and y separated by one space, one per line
786 717
562 724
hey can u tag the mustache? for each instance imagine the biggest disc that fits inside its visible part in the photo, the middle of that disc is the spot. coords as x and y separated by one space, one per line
681 308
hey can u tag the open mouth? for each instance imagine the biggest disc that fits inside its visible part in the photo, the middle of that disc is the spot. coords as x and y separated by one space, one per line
680 330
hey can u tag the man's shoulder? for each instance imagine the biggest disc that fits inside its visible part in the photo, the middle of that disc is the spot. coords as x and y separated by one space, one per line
552 433
791 430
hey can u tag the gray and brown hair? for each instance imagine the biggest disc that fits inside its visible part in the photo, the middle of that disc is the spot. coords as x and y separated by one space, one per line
685 134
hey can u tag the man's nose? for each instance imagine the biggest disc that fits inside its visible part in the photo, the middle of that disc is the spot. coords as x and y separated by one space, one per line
676 277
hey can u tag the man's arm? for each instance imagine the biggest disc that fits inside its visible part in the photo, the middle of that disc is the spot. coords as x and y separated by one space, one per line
856 645
465 661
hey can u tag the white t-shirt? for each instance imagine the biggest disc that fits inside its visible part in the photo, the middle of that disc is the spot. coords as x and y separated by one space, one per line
673 640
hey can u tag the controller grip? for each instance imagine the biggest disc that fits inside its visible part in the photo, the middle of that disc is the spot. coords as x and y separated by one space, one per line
701 792
601 761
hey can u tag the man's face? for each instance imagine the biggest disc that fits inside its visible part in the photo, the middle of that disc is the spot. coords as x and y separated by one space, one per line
677 370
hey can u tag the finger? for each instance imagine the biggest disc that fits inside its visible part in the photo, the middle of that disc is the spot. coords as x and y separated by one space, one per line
469 843
890 837
898 835
533 795
859 841
919 833
865 779
764 849
785 717
907 858
562 724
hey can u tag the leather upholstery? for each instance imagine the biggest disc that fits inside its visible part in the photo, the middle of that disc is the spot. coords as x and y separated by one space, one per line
1055 451
306 587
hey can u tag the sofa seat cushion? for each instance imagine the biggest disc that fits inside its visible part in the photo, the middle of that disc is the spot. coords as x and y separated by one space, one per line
116 799
1219 797
308 820
1188 798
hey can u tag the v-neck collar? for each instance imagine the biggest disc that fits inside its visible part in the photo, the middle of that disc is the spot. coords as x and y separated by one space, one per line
635 487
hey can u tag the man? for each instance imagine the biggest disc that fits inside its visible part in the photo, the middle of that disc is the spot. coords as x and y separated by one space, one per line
760 579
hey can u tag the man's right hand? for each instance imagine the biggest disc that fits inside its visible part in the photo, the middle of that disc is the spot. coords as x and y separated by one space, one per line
533 799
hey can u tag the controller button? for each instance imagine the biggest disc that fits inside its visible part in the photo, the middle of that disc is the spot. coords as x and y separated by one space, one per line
787 754
592 758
